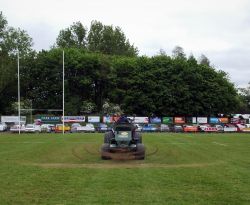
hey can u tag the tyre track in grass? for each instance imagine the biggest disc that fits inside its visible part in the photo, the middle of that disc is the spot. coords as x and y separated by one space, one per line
97 152
124 164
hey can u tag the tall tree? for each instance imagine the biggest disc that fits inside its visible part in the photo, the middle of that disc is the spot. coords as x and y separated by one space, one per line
178 52
11 41
204 60
17 39
95 36
245 99
3 25
109 40
74 36
100 38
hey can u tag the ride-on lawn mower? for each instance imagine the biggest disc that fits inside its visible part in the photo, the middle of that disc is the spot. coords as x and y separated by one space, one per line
123 142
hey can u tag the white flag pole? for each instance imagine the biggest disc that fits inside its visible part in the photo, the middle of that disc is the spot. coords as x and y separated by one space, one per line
18 82
63 92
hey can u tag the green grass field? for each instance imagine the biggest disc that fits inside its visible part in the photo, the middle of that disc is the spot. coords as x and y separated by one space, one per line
179 169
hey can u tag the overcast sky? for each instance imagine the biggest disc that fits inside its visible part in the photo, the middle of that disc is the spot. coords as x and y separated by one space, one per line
219 29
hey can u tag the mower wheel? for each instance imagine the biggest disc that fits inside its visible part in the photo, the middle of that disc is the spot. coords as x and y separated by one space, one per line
105 152
140 152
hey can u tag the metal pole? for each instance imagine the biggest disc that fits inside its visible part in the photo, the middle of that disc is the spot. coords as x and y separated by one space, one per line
63 92
31 112
18 82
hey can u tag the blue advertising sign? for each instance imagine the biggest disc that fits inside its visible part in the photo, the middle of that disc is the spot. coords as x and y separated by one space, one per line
214 120
155 120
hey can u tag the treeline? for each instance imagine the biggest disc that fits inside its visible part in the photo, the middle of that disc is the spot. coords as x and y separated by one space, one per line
104 74
158 85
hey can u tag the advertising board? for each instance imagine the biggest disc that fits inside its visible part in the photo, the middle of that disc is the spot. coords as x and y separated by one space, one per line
167 120
141 120
238 121
13 119
190 129
156 120
48 119
110 119
71 119
214 120
202 120
179 120
244 116
194 120
223 120
94 119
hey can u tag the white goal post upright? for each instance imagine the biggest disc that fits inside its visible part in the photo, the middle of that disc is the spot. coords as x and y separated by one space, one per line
63 93
18 90
18 93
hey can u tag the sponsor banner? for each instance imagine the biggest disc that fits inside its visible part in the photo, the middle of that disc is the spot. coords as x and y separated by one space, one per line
167 120
73 119
223 120
214 120
190 129
201 119
13 119
143 120
238 121
49 119
94 119
179 120
155 120
110 119
245 116
194 120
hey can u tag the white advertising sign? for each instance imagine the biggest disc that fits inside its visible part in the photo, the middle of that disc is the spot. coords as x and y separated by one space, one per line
194 120
139 119
245 116
13 119
201 119
94 119
73 119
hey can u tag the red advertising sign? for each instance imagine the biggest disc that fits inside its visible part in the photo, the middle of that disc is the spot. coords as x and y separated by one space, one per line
179 120
190 129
